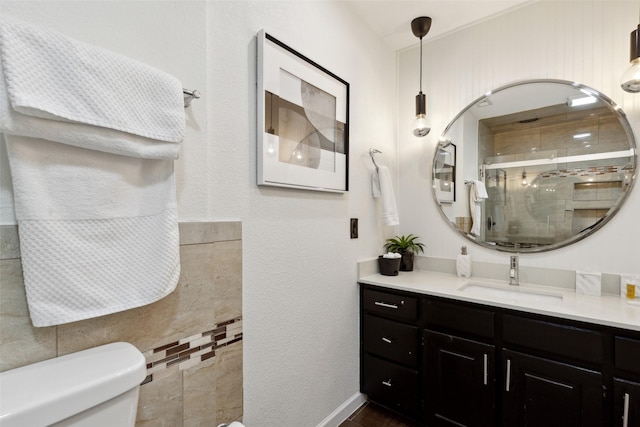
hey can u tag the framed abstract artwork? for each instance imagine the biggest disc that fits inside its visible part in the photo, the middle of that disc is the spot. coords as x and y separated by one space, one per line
445 173
303 121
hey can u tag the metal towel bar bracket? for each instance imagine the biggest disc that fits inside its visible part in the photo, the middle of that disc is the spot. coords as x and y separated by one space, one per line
190 95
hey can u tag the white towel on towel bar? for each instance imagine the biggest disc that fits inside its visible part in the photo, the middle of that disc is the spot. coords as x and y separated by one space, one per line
375 185
389 207
98 231
63 90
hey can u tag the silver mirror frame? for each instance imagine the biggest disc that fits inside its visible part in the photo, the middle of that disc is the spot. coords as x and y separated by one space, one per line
442 142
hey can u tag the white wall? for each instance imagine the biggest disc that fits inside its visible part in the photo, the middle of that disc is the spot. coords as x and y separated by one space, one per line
584 41
300 296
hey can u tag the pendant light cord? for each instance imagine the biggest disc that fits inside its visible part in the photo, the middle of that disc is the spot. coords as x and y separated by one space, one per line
420 64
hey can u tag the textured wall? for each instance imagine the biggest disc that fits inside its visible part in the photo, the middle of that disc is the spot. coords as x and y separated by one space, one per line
584 41
191 339
300 295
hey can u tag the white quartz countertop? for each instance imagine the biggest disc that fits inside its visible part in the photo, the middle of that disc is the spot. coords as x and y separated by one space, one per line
606 310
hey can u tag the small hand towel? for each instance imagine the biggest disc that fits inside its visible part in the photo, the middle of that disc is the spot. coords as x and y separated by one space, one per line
477 192
389 208
480 190
375 185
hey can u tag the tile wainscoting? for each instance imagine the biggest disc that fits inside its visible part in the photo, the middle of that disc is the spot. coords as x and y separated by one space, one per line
191 339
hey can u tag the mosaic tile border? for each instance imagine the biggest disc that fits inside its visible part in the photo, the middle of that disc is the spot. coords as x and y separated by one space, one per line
597 170
188 352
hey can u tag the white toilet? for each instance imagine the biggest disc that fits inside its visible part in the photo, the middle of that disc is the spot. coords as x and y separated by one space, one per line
98 387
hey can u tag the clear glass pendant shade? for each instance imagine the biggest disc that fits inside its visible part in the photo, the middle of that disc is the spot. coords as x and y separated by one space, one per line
630 81
420 126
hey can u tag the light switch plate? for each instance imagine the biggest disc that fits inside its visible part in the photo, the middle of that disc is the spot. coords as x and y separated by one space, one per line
354 228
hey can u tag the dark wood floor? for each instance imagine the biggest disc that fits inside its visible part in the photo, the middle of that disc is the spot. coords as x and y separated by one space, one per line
372 415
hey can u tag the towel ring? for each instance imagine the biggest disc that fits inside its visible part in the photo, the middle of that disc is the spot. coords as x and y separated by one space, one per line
373 151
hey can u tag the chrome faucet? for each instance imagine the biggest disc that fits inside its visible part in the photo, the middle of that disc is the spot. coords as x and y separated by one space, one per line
514 272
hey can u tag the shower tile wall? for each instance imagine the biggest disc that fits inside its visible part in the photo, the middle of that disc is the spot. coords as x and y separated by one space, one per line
548 203
191 339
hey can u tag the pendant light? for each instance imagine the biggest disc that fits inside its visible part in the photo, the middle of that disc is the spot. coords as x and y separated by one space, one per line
630 81
420 27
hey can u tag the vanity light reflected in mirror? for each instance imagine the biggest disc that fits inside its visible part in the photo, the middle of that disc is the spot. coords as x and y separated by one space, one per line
557 160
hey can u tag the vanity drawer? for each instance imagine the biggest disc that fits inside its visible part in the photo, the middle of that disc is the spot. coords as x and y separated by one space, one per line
554 338
460 318
627 354
391 340
390 304
390 384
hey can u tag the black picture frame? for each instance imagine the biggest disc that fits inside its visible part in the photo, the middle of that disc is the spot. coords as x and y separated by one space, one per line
303 121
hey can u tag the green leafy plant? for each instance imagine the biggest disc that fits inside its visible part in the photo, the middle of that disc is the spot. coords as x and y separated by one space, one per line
404 244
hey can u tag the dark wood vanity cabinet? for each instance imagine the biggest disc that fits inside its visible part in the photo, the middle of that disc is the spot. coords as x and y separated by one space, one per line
626 383
450 363
390 343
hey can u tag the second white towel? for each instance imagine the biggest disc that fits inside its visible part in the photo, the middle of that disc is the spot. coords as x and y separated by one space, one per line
98 231
389 208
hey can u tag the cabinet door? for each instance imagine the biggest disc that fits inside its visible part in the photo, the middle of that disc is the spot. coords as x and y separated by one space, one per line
459 381
626 395
544 393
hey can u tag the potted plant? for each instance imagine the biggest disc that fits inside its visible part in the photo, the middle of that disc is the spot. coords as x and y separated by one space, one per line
405 246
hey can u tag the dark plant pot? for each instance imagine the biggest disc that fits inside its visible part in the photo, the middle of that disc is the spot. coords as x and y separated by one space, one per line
388 266
406 262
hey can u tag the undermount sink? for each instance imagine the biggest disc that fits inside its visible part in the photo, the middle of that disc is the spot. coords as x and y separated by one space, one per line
510 293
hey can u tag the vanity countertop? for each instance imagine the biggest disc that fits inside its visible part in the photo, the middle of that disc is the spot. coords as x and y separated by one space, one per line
608 310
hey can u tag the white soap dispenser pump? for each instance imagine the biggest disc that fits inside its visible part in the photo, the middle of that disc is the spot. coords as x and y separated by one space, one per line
463 263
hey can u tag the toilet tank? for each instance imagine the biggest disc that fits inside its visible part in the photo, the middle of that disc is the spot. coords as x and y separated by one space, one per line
94 387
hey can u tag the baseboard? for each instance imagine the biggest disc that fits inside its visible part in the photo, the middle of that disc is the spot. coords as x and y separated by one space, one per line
343 411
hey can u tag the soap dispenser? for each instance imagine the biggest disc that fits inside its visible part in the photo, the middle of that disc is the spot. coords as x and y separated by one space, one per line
463 263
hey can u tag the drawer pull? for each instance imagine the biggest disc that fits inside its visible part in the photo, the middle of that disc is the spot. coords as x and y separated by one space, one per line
384 304
387 340
387 383
486 373
625 413
508 385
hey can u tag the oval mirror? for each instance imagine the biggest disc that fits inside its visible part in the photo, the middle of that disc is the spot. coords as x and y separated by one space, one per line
534 166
